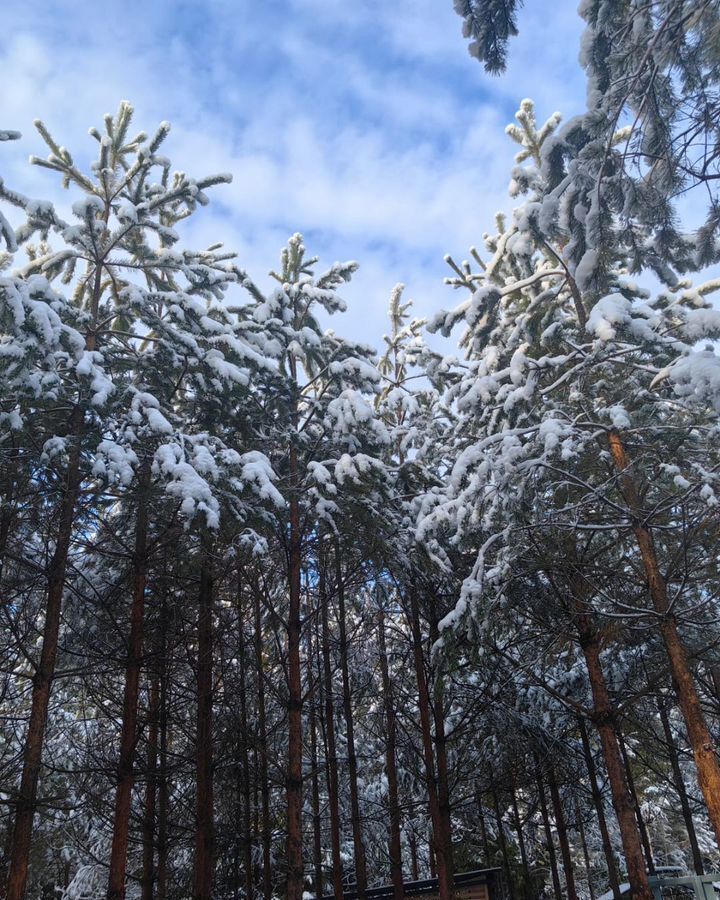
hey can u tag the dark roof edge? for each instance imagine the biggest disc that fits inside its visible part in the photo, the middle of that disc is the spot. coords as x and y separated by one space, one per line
425 886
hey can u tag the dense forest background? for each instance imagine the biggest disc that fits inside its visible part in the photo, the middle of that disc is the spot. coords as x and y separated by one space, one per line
284 616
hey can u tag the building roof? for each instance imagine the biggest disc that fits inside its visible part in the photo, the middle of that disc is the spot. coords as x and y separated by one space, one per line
426 886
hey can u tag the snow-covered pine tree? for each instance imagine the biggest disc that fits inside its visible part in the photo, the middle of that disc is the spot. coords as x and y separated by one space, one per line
417 422
536 449
137 291
324 444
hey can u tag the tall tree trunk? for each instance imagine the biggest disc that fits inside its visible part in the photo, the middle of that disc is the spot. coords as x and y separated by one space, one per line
483 829
642 827
552 856
245 762
586 853
501 834
26 800
358 846
431 856
163 784
527 879
445 885
315 789
129 730
704 753
5 861
204 824
600 812
148 867
443 777
605 720
331 751
561 829
295 869
414 868
256 864
680 788
394 844
262 728
8 506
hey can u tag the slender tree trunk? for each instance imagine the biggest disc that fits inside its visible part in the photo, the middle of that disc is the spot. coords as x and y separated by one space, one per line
295 869
394 844
8 508
245 764
586 854
704 752
600 812
204 825
527 879
315 793
644 836
163 786
358 846
129 730
680 788
445 885
414 868
331 754
552 856
483 829
604 719
432 859
148 867
501 833
262 727
5 862
26 800
443 777
256 865
561 829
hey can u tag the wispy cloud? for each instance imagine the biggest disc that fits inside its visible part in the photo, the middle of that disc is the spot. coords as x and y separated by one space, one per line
366 125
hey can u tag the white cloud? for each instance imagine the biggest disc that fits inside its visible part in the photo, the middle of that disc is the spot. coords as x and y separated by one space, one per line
365 125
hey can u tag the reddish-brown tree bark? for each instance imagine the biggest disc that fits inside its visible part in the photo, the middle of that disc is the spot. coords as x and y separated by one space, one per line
600 812
443 777
586 852
163 778
394 822
244 762
604 719
358 846
552 856
445 883
315 781
331 750
703 747
680 788
295 869
414 868
129 728
26 799
149 816
204 858
561 828
262 729
642 827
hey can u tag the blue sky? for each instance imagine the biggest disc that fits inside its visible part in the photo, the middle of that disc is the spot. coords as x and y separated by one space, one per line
365 125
